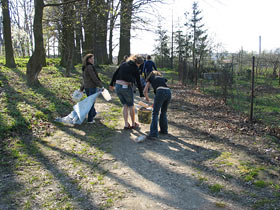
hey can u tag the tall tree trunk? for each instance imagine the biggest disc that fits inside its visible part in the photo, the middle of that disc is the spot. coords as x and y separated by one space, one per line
67 38
34 65
111 27
100 47
89 29
78 36
125 26
9 53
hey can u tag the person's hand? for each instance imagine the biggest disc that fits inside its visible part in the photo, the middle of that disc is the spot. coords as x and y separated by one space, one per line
111 88
147 99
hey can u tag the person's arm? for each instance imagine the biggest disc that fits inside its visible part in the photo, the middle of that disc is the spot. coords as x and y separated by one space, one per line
146 91
154 65
82 88
94 76
139 85
114 78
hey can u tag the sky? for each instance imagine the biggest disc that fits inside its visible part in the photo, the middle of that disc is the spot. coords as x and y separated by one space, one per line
235 24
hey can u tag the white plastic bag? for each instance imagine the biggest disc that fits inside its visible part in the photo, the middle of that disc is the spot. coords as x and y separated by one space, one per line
80 111
77 95
105 93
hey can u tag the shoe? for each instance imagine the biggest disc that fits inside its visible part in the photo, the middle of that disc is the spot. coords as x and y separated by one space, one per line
128 127
152 137
91 122
136 125
164 133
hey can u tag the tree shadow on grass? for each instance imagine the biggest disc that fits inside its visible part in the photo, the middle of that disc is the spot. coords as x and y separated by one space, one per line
17 152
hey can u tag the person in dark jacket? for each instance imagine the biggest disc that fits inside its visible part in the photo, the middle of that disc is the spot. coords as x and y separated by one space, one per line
122 82
149 66
161 101
91 82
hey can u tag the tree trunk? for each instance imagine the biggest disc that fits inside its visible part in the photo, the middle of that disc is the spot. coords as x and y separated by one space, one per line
78 38
89 29
125 26
67 38
9 53
100 47
34 65
111 27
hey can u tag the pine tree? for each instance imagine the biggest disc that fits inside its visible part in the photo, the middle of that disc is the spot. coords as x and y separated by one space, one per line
199 36
162 50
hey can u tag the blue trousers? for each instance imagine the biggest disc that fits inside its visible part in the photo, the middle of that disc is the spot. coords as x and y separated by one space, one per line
92 111
161 101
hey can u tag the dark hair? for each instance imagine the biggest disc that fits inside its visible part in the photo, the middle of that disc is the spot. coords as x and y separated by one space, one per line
149 57
86 57
124 59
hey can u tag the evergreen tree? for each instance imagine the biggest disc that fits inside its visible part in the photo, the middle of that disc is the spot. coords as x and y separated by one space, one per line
199 36
162 50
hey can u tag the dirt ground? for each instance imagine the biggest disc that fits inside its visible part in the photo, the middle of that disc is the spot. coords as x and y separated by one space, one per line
201 164
177 170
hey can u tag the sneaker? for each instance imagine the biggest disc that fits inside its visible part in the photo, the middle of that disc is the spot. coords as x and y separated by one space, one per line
152 137
91 122
164 133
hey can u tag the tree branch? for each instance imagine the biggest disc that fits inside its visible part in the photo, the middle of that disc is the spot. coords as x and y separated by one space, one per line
59 4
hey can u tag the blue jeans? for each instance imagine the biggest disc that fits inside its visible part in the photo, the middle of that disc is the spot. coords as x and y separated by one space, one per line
161 101
92 112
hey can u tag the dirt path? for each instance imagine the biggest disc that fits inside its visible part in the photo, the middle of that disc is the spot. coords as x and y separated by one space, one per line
207 161
158 173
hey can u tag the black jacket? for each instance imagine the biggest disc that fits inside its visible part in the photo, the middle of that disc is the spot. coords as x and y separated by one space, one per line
128 72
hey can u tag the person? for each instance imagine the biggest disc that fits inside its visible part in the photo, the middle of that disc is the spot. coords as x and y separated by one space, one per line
124 59
149 66
141 69
122 82
91 82
161 100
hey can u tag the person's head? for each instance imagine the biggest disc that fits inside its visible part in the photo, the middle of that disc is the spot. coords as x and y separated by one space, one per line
125 57
137 59
149 57
153 73
88 58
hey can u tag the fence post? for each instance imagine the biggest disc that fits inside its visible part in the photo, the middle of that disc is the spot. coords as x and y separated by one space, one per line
252 89
196 72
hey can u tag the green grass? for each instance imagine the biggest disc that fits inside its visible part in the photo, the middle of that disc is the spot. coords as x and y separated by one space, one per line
266 100
27 121
216 188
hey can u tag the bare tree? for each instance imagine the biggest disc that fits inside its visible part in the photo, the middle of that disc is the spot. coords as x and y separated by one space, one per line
67 43
113 17
9 53
125 26
35 63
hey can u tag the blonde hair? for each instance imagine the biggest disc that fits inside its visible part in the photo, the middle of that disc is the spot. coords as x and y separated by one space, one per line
86 57
156 73
138 59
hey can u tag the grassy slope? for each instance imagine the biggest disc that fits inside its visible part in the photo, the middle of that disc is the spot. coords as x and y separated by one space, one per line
28 162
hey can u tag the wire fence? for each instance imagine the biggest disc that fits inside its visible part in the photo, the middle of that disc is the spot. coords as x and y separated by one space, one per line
249 88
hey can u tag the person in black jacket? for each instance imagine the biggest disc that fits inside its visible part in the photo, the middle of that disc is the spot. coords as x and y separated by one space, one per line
149 66
122 82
